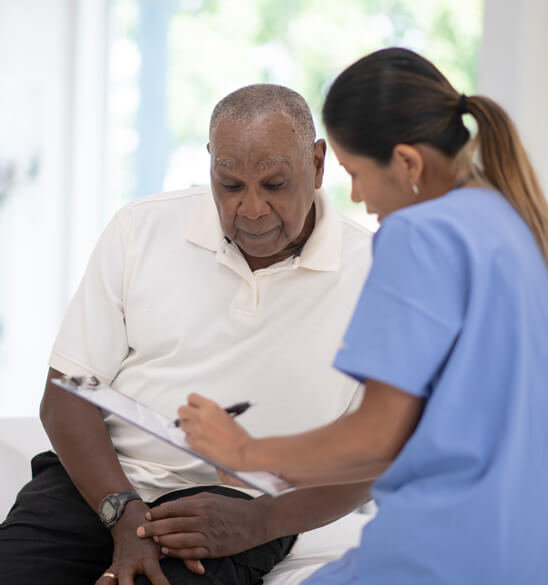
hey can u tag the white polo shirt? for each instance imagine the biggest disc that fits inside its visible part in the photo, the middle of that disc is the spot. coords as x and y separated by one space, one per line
167 307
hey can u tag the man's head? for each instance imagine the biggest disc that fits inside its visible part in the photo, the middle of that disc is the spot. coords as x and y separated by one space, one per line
265 166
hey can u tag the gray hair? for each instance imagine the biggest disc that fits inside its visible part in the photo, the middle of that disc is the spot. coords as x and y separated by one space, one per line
257 100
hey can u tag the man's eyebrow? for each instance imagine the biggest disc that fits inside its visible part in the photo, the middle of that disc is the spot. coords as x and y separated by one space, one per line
264 164
225 162
268 163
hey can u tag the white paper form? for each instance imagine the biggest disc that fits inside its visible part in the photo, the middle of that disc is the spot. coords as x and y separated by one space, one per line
161 426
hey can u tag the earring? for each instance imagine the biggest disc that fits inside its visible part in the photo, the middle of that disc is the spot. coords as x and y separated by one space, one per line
415 189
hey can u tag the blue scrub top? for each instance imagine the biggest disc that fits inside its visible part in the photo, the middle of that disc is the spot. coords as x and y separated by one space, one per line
455 310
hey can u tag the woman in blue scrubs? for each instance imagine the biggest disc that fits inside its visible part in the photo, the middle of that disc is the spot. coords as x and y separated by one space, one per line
450 336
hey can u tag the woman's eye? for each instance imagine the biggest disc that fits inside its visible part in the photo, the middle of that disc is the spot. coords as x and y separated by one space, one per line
231 187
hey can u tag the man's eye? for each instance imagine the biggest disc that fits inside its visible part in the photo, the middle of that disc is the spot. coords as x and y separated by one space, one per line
231 187
274 186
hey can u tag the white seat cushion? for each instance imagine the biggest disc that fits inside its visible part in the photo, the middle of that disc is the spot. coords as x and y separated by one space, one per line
317 547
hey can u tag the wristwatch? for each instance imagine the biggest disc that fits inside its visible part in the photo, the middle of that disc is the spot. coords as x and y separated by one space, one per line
111 507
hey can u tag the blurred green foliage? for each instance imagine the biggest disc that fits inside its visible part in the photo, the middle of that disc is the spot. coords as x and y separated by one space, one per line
216 46
304 44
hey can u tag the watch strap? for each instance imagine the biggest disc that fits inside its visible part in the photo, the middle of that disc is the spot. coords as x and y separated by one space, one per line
112 506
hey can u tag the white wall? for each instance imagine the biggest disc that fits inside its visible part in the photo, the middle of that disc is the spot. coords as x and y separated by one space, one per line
52 60
514 71
35 95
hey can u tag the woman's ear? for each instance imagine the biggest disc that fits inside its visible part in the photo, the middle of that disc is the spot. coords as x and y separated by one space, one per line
409 161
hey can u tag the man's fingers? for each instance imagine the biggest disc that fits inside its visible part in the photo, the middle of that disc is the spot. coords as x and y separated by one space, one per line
125 577
169 526
174 509
186 554
179 534
154 573
187 542
109 577
195 566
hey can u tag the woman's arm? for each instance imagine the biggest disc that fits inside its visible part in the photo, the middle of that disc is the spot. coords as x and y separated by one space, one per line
355 448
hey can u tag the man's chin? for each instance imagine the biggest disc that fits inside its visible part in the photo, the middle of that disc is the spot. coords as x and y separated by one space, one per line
260 245
265 253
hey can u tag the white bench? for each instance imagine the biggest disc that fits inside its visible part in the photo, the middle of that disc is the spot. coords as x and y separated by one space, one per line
22 438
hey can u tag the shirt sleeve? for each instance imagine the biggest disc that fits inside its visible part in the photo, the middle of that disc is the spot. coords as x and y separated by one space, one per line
411 308
92 339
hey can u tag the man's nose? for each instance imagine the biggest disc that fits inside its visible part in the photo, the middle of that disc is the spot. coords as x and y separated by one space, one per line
253 205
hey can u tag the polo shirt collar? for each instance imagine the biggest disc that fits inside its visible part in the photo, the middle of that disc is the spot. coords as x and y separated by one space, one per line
322 250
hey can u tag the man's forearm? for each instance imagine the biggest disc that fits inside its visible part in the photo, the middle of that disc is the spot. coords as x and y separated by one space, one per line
79 436
307 509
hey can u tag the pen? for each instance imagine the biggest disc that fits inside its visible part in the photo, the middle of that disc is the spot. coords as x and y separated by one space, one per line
234 410
238 408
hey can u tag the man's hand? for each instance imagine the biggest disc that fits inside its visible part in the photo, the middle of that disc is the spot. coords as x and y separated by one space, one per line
205 525
209 525
132 555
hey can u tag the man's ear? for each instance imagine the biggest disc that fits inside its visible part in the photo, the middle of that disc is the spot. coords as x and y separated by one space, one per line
320 148
409 161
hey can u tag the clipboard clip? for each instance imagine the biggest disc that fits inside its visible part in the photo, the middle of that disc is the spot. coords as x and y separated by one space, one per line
89 382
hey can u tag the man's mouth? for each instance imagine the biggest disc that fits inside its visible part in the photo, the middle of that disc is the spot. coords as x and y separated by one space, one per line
258 235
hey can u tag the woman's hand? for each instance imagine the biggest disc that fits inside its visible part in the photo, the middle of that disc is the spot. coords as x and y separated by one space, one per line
213 433
228 479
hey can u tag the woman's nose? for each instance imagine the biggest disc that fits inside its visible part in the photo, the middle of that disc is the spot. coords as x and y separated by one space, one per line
355 193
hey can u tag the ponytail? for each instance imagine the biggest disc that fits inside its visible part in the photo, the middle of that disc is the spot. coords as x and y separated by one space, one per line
506 166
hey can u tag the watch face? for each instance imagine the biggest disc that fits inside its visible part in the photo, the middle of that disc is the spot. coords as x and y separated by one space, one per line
112 506
108 511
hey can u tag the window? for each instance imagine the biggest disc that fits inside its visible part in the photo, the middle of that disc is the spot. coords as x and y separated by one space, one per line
172 61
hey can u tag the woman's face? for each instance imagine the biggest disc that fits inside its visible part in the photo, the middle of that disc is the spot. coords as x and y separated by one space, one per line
383 188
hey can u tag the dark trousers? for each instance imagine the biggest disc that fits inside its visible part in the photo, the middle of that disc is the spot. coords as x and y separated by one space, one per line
52 537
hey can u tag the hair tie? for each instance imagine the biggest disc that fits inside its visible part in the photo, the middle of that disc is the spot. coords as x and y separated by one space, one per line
462 106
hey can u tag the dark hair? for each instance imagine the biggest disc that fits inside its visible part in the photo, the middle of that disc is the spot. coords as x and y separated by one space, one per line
395 96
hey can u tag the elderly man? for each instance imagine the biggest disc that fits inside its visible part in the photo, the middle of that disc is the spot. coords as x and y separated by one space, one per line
240 292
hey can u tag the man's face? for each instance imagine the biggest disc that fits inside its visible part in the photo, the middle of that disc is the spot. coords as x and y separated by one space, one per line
263 179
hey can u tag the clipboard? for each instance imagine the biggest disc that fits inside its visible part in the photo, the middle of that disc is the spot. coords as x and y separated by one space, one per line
161 426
